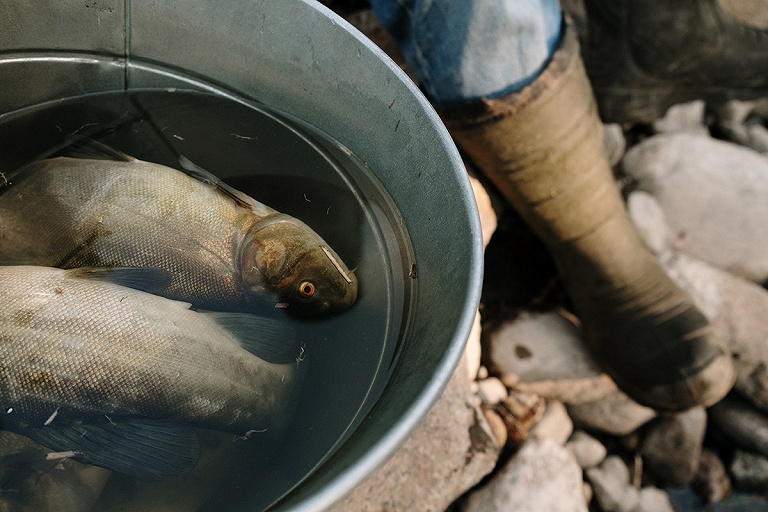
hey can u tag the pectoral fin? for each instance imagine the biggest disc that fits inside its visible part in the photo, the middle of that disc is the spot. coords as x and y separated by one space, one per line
142 448
271 340
146 279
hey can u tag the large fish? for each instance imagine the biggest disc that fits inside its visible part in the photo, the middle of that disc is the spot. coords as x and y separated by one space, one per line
224 250
118 376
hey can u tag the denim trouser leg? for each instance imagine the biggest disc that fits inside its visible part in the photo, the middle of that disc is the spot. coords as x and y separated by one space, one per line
468 49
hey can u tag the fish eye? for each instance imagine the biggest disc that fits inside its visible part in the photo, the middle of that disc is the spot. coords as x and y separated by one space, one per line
307 289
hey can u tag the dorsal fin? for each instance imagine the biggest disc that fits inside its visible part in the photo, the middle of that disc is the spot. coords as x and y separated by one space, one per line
197 172
95 150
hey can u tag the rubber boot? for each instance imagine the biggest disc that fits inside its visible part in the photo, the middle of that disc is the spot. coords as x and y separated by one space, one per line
543 149
643 56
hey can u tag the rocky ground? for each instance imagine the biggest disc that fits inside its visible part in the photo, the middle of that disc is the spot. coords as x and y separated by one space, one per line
530 423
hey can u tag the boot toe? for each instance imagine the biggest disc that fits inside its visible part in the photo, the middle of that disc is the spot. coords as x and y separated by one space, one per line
704 387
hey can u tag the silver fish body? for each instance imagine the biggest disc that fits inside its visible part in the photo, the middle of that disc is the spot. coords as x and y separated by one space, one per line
223 253
75 349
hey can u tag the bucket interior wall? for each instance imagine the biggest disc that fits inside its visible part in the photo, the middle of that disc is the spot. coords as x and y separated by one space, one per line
298 57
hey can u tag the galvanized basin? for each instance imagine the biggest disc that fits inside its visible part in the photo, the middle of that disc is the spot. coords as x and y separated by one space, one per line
299 57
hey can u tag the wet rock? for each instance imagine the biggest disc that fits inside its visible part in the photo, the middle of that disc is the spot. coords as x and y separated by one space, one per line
714 195
711 481
451 451
612 490
740 422
555 424
544 353
541 476
672 446
683 117
615 414
750 471
653 499
588 451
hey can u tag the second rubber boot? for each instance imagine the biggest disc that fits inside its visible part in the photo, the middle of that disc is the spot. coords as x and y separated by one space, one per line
543 149
643 56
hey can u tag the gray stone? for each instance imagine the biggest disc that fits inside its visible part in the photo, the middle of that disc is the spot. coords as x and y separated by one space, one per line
545 353
653 499
732 120
752 382
615 414
450 452
757 137
683 117
555 424
714 195
672 446
570 391
742 423
491 391
711 481
649 220
615 142
541 476
611 487
588 451
750 471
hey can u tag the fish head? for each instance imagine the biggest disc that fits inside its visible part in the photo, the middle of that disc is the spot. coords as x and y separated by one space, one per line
285 257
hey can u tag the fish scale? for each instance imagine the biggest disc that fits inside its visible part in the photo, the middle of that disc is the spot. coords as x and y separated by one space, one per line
73 212
92 348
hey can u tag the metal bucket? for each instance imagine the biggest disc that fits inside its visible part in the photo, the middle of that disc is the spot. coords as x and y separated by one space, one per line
300 58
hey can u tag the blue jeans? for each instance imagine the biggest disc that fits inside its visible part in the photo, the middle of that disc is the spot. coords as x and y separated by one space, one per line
469 49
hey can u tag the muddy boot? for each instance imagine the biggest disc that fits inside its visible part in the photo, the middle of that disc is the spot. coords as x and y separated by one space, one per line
543 148
643 56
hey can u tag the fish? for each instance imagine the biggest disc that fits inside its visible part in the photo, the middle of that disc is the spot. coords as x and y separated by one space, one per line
224 250
119 377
